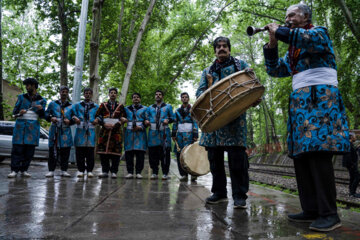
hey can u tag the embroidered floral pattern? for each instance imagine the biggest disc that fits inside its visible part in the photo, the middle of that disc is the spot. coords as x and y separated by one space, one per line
320 127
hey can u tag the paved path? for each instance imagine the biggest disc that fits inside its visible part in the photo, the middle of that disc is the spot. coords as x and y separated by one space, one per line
95 208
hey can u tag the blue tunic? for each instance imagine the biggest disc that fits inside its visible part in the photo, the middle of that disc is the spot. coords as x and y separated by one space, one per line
183 138
156 136
313 46
28 131
317 119
60 129
85 132
135 140
234 133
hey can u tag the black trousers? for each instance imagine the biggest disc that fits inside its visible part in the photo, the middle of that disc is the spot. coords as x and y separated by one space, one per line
156 155
82 154
354 179
21 156
352 167
181 170
238 168
129 156
316 183
105 163
63 154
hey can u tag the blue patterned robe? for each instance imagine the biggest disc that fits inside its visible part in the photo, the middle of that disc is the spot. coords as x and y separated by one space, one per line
64 136
234 133
135 140
317 119
156 137
184 138
28 131
84 135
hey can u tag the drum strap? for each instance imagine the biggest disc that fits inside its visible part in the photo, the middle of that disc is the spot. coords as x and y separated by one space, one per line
227 93
217 66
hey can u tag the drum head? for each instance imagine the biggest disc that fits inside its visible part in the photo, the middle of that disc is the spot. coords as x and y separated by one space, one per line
194 160
226 100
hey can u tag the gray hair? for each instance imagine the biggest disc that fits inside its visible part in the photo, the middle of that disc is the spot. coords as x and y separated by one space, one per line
305 9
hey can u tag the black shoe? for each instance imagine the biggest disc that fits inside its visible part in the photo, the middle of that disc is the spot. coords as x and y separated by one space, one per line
215 199
301 217
357 195
326 224
240 203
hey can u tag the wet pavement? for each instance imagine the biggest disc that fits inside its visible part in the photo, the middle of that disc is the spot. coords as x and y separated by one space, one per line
72 208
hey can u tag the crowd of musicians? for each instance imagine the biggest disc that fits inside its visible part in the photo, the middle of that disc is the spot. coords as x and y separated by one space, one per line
317 124
112 118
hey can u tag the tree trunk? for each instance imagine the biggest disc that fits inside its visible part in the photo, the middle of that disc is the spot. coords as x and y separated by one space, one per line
267 144
1 68
251 128
134 51
64 44
80 47
94 49
349 19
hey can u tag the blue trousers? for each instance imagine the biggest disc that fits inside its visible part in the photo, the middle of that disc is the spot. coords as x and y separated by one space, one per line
21 156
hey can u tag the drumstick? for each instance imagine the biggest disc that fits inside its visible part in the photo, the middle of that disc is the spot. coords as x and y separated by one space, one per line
177 146
210 79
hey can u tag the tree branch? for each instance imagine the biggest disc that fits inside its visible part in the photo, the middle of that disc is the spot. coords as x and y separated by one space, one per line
260 15
119 35
178 73
353 27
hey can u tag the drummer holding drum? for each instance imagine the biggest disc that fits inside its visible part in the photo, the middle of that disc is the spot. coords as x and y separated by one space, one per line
230 138
184 132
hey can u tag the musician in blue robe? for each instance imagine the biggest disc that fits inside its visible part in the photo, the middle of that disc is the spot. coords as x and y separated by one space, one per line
135 137
317 124
60 137
158 117
28 109
184 132
230 138
83 114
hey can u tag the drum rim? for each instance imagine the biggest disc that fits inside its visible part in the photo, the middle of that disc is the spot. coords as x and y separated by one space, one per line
259 88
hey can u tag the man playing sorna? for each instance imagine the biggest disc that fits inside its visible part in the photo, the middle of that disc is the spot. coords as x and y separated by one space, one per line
317 124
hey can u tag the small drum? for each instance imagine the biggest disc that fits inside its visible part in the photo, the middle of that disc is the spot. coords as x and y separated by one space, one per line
194 160
226 100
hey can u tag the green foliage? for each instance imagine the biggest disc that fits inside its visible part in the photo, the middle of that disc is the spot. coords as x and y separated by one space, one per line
176 46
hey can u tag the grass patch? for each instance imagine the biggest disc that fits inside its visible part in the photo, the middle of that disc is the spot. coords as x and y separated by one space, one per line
340 205
287 177
277 187
355 209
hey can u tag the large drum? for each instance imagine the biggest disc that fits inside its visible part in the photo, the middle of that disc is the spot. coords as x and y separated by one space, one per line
226 100
194 160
